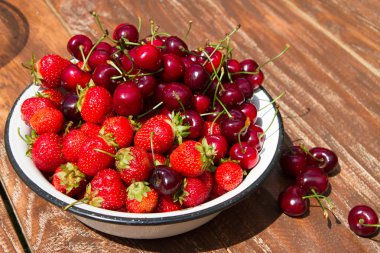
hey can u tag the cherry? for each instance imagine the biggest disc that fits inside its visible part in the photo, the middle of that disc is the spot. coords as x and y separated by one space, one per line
126 31
231 127
233 66
128 65
127 99
201 103
231 95
220 144
363 221
324 158
254 137
248 65
98 57
72 76
187 63
165 180
102 76
175 95
196 77
104 46
147 57
293 161
77 41
196 123
214 113
247 156
256 79
159 93
173 68
313 180
244 86
211 59
175 45
292 203
147 85
249 110
69 107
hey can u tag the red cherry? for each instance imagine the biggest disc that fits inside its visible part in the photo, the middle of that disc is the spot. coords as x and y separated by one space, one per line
147 85
247 156
363 221
249 110
292 203
326 159
147 57
98 57
173 68
176 95
256 79
127 99
220 144
196 123
76 42
293 161
72 76
175 45
201 103
211 65
196 77
102 76
313 179
127 31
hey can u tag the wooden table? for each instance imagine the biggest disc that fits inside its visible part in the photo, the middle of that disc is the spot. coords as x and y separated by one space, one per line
331 76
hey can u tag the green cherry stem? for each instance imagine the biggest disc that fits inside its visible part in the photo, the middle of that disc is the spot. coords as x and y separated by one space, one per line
273 101
287 46
151 110
361 222
271 123
224 108
92 50
188 29
139 24
152 148
306 150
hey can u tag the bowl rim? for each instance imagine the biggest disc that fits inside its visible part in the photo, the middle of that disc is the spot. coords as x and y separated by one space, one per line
149 220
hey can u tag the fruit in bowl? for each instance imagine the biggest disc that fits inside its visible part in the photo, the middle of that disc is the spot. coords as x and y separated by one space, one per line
147 138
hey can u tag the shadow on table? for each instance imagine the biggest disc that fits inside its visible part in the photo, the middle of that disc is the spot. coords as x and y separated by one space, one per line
238 223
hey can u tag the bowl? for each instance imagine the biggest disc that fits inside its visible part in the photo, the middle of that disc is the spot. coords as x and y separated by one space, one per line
152 225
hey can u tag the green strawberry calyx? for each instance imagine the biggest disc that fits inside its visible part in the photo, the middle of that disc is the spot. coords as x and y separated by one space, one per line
70 176
207 152
29 139
138 190
123 157
181 194
180 129
81 92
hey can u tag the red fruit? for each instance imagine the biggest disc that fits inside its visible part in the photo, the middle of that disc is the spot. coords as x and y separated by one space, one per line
211 129
72 76
69 180
72 144
198 157
120 129
148 57
49 69
47 120
167 204
216 191
247 155
158 159
133 164
229 175
106 190
54 95
195 192
141 198
33 104
92 161
208 180
47 153
94 104
162 130
90 129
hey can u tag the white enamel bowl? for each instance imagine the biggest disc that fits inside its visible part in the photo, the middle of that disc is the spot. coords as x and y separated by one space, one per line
143 226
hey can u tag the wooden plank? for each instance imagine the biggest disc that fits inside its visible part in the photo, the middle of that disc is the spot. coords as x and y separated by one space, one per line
317 73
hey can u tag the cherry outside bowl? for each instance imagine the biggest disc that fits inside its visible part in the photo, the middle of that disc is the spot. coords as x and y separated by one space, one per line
143 226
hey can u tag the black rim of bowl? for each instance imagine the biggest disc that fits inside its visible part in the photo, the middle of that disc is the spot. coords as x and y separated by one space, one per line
143 221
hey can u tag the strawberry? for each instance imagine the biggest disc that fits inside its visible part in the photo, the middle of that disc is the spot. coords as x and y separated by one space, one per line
94 104
216 191
207 179
211 128
47 120
90 129
195 192
120 129
47 71
72 144
160 131
229 175
158 159
33 104
167 204
46 152
192 158
91 159
106 190
55 95
141 198
69 180
133 164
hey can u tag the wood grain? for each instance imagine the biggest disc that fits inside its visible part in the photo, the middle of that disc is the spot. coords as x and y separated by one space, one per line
332 83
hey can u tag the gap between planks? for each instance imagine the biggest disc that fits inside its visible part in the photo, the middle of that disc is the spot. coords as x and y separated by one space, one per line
61 20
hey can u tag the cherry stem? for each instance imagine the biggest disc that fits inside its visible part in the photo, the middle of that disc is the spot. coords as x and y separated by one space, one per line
224 108
105 32
287 46
273 101
104 152
139 24
188 29
318 197
239 136
82 53
92 49
214 121
271 123
149 111
304 149
361 222
84 200
152 148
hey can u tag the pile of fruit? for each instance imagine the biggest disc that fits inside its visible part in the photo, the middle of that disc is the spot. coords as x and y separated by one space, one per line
144 124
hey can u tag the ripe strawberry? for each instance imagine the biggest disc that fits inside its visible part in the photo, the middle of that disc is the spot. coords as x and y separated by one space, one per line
91 159
90 129
216 191
194 192
133 164
208 180
72 144
210 129
47 120
47 71
94 104
46 152
161 131
69 180
228 175
158 159
119 129
197 156
106 190
141 198
54 95
33 104
167 204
